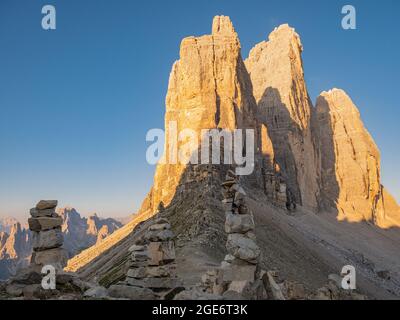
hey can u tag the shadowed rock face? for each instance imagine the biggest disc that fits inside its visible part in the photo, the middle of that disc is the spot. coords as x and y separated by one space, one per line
276 72
350 163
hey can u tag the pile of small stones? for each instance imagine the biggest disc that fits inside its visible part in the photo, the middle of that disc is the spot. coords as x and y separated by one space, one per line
238 276
152 268
239 225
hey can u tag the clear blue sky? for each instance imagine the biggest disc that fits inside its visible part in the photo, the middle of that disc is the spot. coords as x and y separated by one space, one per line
76 103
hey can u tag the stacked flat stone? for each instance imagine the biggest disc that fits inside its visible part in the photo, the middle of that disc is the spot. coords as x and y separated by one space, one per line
47 237
239 268
152 268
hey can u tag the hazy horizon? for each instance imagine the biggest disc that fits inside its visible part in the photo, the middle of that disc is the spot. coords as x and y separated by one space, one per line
76 102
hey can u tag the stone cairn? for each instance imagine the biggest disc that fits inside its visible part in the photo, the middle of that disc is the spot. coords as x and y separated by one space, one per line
152 268
238 275
47 237
47 240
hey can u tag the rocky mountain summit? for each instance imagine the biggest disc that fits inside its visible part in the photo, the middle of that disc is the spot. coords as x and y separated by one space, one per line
283 105
350 164
79 233
313 203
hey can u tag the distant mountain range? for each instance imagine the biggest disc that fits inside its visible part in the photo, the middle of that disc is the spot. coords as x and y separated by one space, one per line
79 233
7 223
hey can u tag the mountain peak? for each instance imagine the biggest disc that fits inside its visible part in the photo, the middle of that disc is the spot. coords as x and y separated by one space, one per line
285 33
336 100
15 228
6 223
276 72
222 25
334 91
347 147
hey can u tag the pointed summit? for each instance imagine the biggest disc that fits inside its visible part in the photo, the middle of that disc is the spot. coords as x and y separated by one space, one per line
350 163
222 25
210 83
286 33
343 102
277 76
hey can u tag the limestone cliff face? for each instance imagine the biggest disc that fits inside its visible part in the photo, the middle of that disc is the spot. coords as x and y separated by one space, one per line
208 88
350 163
276 72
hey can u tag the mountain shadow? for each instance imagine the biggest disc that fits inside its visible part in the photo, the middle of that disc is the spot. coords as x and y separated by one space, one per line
326 151
275 115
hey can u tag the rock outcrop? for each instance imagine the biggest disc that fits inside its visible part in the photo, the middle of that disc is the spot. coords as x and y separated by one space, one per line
276 72
350 164
151 271
208 88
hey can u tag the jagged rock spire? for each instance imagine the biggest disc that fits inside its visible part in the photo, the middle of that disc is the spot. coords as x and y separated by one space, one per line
276 72
350 162
208 88
222 25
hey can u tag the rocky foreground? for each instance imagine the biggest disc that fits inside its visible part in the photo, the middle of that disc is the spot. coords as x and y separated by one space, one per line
152 269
